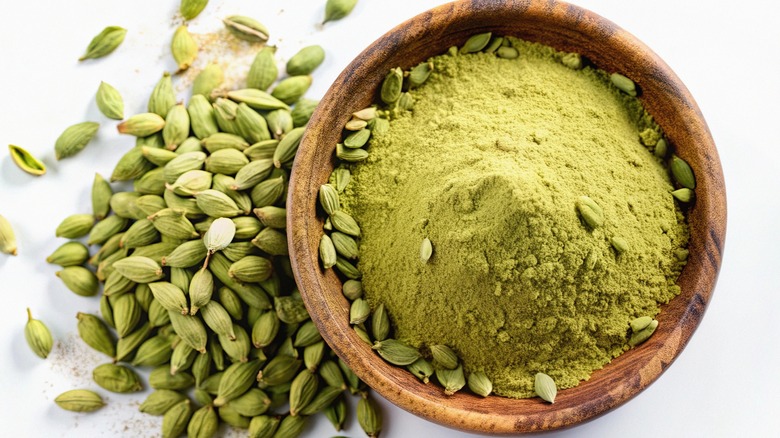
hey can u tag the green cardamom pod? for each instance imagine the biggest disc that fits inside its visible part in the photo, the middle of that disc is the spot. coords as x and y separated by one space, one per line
176 418
328 255
94 332
302 112
345 223
640 323
419 74
169 296
74 139
262 150
211 384
236 380
290 309
190 9
682 172
268 192
218 319
476 43
156 251
380 323
153 352
217 204
79 400
352 289
116 378
247 227
444 357
265 329
396 352
272 217
257 99
7 237
104 229
345 245
177 127
661 148
204 422
391 86
366 114
69 254
359 311
141 233
225 114
127 345
172 223
251 125
186 255
480 384
350 155
272 242
247 29
202 119
291 426
183 164
422 369
620 244
201 289
637 337
355 124
184 48
623 84
251 294
291 89
38 336
590 212
405 102
139 269
331 374
223 140
263 71
110 102
305 61
219 235
302 391
163 98
190 329
101 197
507 53
280 122
279 370
26 161
132 165
251 269
544 386
143 294
307 334
151 183
109 248
182 358
572 60
117 284
369 416
338 9
127 313
329 198
313 355
380 126
288 147
263 426
141 125
452 380
252 403
161 378
191 182
337 413
104 43
348 269
201 368
238 349
158 402
79 280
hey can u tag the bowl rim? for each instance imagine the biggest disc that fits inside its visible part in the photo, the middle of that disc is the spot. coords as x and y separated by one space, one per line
666 98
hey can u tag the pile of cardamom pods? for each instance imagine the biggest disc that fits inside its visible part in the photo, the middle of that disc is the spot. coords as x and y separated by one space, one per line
197 284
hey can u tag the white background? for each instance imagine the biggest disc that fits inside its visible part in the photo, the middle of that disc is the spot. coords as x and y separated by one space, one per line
726 382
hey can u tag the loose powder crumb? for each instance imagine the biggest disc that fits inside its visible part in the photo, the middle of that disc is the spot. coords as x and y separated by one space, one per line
489 166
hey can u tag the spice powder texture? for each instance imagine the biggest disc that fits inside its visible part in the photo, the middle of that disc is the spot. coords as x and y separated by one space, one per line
489 166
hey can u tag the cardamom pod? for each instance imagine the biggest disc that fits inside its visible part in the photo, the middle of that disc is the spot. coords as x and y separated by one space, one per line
366 113
74 138
682 172
161 378
350 155
265 329
313 355
280 122
444 357
302 391
288 147
426 250
359 311
251 269
452 380
201 289
79 280
345 223
290 89
572 60
391 86
352 289
202 120
480 384
141 233
268 192
422 369
184 48
26 161
116 378
204 423
476 43
247 29
279 370
305 61
623 84
105 229
338 9
272 242
126 345
177 127
201 368
94 332
153 352
69 254
79 400
257 99
236 380
263 426
217 204
218 319
219 235
396 352
183 164
369 416
507 53
132 165
307 334
159 401
302 112
340 179
169 296
637 337
238 349
175 420
291 426
263 71
172 223
190 329
104 43
186 255
38 336
7 237
291 309
117 284
380 323
182 358
661 148
272 217
251 125
127 313
355 124
544 386
348 269
337 413
420 73
190 9
139 269
590 212
328 255
110 102
141 125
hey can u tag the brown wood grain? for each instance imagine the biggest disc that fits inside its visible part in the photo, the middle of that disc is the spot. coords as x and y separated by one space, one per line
565 27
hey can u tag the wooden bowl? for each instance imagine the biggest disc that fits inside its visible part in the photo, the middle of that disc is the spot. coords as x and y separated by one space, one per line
565 27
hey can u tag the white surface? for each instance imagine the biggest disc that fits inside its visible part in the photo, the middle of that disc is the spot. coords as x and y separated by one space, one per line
724 384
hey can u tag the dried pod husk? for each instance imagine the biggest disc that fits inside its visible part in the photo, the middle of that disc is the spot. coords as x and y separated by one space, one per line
117 378
104 43
184 48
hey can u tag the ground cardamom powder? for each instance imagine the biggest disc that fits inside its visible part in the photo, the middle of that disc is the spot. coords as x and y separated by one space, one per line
489 166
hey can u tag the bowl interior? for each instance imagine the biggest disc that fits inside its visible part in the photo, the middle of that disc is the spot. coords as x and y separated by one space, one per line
564 27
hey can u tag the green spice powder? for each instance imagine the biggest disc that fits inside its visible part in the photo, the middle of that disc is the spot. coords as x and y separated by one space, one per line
489 166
